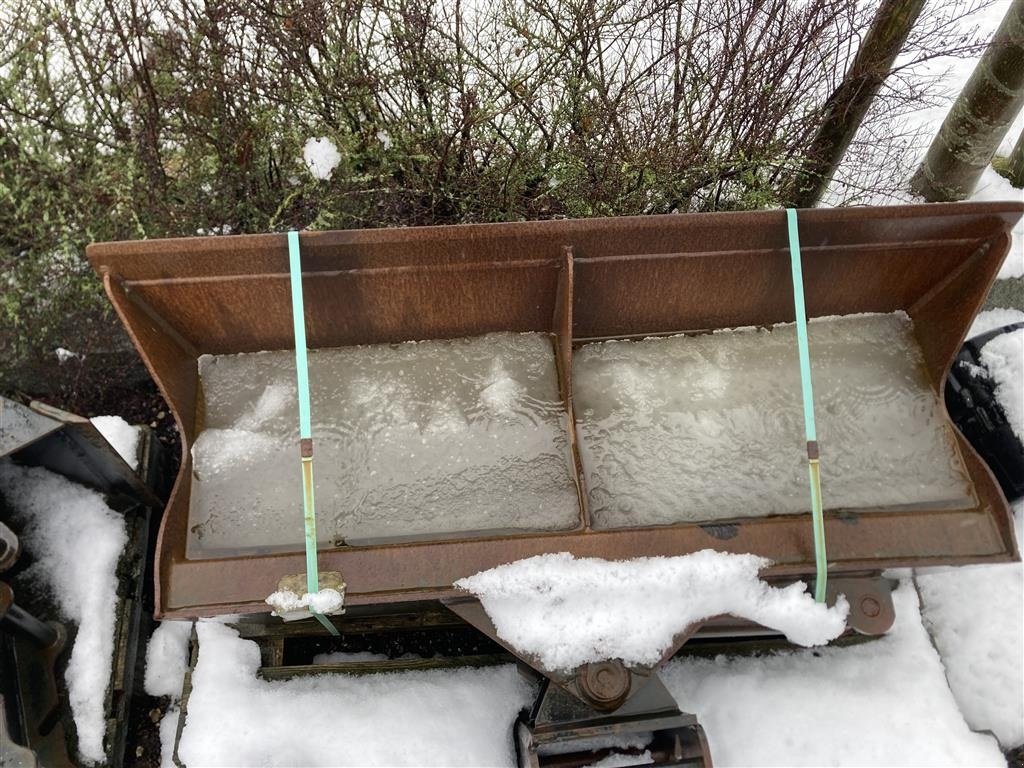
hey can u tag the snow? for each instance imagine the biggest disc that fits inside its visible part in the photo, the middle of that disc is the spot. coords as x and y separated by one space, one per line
991 319
617 760
321 157
618 741
440 717
290 605
975 614
168 732
167 658
881 703
76 541
994 187
122 436
567 611
1004 358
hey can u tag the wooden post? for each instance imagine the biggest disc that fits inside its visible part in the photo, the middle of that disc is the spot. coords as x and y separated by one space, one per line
845 108
979 118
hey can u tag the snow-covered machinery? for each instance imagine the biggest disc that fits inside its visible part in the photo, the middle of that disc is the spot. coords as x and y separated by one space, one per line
610 388
35 655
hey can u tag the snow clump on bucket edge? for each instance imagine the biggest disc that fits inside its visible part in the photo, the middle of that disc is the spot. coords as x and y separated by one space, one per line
568 611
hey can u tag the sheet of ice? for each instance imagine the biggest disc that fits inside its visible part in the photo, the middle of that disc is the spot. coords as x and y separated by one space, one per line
567 611
442 717
122 436
695 428
321 157
884 702
167 658
421 438
76 542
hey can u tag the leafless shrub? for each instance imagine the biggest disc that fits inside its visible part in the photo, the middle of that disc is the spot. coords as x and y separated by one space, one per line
145 118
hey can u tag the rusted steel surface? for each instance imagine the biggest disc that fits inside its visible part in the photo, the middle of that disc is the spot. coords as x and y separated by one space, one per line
602 686
578 280
70 445
606 685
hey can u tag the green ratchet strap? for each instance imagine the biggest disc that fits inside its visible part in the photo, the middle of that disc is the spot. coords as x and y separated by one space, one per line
305 425
813 467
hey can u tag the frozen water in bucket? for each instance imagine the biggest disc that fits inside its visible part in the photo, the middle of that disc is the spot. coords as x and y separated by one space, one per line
710 427
432 437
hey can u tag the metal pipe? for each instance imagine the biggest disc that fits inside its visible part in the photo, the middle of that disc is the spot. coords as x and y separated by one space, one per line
17 621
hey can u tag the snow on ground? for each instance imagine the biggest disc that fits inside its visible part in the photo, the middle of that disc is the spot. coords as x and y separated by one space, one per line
975 614
442 717
76 541
168 733
122 436
991 319
991 186
321 157
567 611
167 658
1004 358
882 703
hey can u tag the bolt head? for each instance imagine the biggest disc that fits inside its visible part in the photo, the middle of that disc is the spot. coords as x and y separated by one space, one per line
870 607
605 684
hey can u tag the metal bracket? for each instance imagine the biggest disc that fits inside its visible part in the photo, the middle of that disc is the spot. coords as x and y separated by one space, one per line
559 722
870 598
604 685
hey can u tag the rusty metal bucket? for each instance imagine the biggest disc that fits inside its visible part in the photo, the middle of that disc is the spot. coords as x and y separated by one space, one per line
577 280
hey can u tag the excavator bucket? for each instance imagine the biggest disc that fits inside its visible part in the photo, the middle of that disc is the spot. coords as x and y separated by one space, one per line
612 388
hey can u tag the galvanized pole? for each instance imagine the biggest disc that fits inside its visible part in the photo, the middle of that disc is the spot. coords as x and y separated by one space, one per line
980 117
